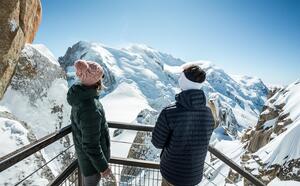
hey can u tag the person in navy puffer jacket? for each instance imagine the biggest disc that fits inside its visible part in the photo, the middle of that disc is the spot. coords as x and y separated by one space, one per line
183 131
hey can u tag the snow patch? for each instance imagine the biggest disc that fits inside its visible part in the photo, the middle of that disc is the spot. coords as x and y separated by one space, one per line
124 103
13 25
46 52
278 182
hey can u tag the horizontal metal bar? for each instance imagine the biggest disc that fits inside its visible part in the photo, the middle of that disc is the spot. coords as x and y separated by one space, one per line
65 174
22 153
126 126
236 167
134 163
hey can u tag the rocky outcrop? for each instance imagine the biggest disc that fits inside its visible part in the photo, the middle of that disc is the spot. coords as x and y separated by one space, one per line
19 21
35 72
233 177
223 115
272 121
262 137
272 145
289 171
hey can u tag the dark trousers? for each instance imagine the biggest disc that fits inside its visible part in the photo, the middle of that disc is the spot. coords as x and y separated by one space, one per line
165 182
92 180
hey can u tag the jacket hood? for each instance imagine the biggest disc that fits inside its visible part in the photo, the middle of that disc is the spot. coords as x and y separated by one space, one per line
191 99
79 93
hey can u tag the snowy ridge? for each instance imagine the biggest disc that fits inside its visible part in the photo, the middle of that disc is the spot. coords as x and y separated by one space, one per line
280 154
142 72
44 51
14 135
278 182
155 75
281 149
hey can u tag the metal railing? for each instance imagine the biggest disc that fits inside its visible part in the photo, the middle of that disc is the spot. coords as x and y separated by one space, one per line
125 171
71 174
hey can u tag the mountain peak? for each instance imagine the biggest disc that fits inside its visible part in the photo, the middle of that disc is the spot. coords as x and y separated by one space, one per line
139 47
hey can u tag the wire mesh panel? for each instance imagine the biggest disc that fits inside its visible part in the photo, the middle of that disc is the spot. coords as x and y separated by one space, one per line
35 169
72 179
132 176
123 175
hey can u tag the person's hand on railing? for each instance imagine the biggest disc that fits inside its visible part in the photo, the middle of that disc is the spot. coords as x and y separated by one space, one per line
107 173
108 177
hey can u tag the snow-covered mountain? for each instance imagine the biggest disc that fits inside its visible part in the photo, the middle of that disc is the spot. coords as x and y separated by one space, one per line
140 82
151 76
144 80
273 144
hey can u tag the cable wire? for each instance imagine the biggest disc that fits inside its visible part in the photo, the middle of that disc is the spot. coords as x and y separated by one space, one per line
43 165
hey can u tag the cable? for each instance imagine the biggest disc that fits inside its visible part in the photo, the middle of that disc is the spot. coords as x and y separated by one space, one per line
115 141
44 165
219 172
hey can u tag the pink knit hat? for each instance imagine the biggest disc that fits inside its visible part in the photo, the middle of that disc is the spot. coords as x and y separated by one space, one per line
88 72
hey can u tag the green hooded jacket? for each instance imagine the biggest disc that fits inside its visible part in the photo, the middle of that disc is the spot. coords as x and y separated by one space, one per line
89 129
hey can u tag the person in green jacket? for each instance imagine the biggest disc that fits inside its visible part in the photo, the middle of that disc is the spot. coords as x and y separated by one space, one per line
89 126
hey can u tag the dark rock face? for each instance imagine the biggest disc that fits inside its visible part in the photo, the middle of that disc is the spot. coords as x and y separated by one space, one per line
290 171
69 58
233 177
19 21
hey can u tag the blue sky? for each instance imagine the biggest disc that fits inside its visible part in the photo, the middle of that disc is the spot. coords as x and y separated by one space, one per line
256 37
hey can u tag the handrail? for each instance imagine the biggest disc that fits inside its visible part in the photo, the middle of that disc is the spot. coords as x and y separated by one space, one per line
126 126
235 166
20 154
134 162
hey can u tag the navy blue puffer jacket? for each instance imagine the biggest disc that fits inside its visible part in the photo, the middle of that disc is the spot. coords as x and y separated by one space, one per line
183 132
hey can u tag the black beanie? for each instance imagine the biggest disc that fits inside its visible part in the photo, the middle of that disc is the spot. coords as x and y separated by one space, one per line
195 74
